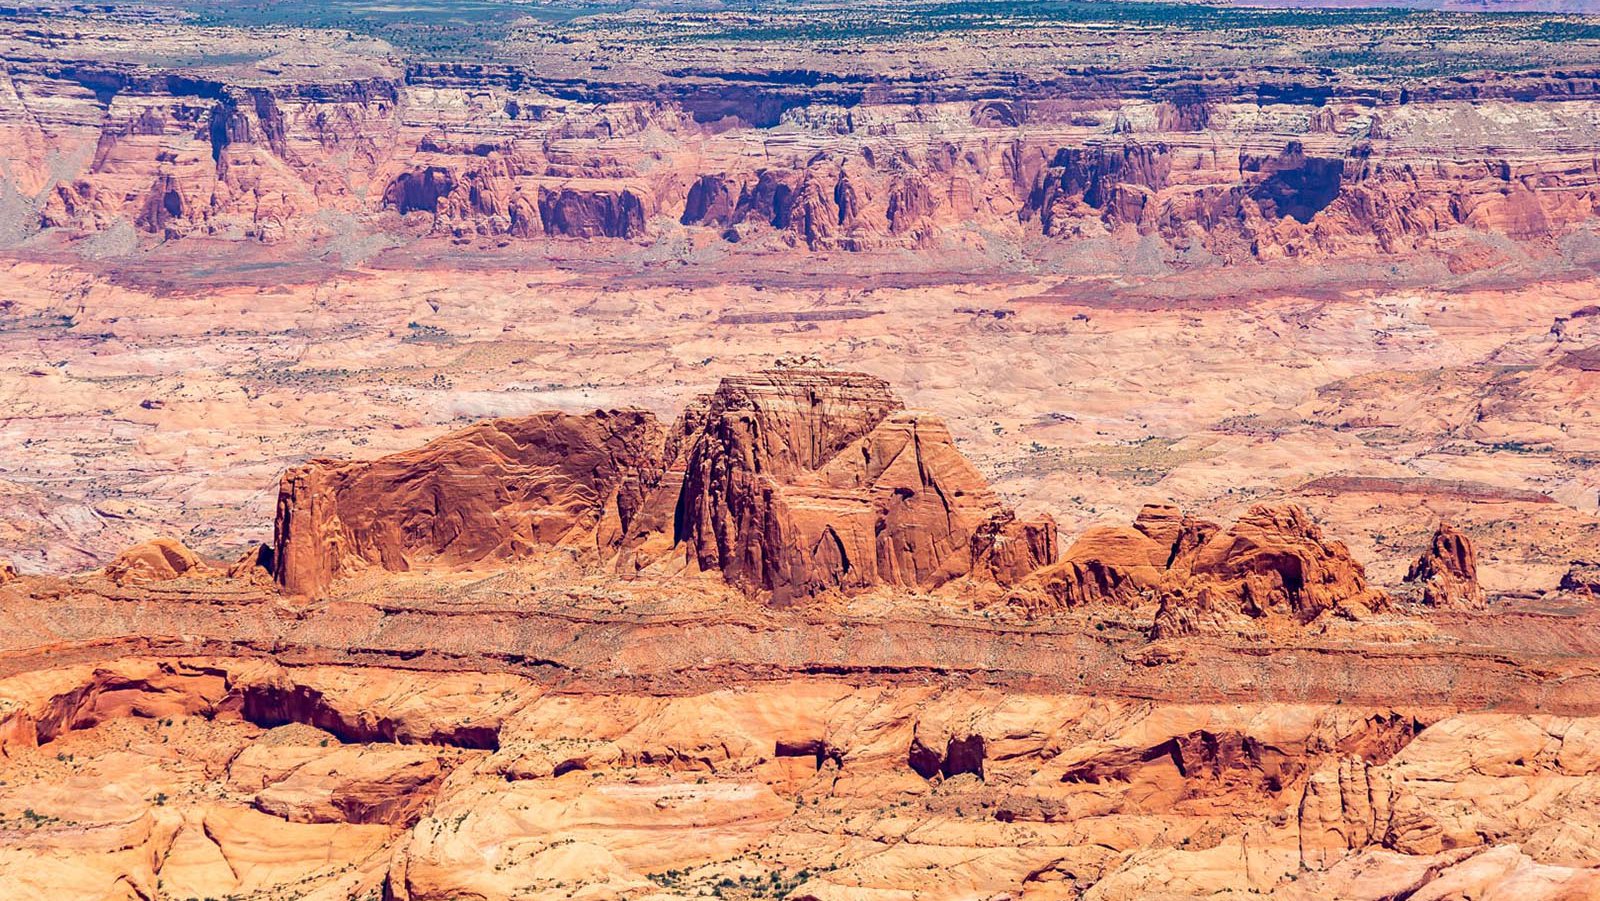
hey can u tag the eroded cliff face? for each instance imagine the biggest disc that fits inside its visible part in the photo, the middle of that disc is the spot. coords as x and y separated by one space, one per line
1236 165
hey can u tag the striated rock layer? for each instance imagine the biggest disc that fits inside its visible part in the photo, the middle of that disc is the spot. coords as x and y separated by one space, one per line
1232 163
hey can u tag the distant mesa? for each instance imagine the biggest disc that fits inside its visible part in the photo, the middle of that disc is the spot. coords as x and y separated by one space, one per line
791 484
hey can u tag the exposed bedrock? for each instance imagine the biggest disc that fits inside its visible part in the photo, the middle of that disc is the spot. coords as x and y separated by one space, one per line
495 490
153 561
1447 570
1331 800
801 482
403 709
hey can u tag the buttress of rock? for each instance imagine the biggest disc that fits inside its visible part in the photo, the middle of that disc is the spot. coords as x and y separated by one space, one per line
788 482
1448 571
804 481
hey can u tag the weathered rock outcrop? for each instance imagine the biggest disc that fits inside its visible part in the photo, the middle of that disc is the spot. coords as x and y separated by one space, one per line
789 482
495 490
390 785
1273 563
1582 576
154 561
603 212
1448 570
800 482
1120 565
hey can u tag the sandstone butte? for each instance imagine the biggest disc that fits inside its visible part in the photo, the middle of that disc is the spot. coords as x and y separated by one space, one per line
792 645
789 483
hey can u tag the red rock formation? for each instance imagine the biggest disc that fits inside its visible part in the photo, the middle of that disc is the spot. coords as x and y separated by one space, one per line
1273 562
393 786
789 482
497 489
8 572
591 213
1448 571
1006 549
255 563
154 561
711 202
1120 565
1227 758
801 482
964 754
1583 577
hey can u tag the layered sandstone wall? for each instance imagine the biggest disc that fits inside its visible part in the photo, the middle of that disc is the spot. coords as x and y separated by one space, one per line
1235 164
